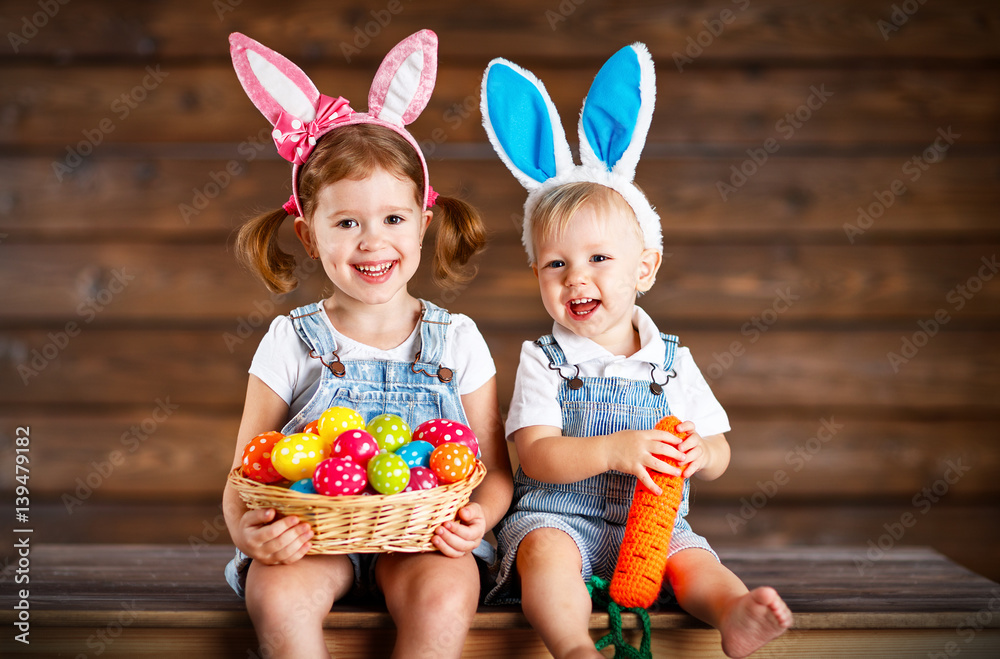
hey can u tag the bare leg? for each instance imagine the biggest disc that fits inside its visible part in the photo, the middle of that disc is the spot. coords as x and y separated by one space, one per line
553 596
288 603
432 599
710 592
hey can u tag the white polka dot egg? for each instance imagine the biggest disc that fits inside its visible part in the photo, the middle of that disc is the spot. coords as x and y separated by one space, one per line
443 431
390 431
339 477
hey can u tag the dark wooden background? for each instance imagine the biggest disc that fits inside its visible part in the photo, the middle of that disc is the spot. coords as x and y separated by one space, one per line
129 153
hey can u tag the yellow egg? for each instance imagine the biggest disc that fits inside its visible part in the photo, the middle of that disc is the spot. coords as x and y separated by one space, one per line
296 456
336 420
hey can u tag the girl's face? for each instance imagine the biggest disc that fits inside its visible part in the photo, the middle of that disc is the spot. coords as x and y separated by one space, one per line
367 234
589 276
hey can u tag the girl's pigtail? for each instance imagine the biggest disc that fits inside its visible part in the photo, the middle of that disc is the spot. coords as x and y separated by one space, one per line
257 249
461 235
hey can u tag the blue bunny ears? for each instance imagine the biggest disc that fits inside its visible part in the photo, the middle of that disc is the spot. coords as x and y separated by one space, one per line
526 132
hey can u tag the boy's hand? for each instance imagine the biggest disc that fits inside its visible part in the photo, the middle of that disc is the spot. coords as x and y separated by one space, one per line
694 448
459 537
274 542
635 451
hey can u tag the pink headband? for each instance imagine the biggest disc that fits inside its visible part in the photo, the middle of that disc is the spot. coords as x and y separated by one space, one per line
301 115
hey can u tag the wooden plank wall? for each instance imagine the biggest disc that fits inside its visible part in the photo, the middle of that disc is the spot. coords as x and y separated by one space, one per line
129 153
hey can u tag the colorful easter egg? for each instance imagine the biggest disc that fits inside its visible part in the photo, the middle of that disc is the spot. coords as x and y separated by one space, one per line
336 420
312 427
442 431
296 456
390 431
452 462
356 445
421 478
257 458
339 476
388 473
305 485
416 453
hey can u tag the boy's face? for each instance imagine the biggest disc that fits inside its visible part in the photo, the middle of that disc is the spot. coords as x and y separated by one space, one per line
589 276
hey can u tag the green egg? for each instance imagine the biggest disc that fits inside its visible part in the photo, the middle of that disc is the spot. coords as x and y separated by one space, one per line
388 473
390 431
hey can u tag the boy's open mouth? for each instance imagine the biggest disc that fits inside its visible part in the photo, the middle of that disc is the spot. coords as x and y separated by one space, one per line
375 271
583 307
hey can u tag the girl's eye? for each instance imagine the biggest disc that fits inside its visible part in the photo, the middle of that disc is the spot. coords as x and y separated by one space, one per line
347 224
597 258
394 219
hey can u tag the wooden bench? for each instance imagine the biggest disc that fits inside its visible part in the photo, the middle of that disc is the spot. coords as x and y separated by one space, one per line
171 601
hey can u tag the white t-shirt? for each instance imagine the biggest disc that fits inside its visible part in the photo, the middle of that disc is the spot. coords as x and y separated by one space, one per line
283 363
536 389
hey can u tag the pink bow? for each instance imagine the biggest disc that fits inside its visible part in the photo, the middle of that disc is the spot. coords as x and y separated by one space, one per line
296 140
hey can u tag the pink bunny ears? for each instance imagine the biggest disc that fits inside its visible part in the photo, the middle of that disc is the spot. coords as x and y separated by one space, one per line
301 115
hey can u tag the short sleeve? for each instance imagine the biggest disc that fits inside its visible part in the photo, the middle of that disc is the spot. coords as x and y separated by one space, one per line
693 400
278 357
468 351
536 392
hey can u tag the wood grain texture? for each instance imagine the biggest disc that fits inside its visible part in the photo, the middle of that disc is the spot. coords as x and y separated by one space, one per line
840 456
57 110
160 598
751 287
791 369
516 29
158 197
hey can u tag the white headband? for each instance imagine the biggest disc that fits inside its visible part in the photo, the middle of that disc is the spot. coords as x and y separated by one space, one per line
526 132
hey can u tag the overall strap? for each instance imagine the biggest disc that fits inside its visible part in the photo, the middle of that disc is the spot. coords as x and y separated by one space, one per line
434 322
671 343
552 350
312 328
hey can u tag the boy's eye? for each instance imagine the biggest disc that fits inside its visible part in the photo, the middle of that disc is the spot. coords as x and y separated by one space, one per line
597 258
556 264
347 223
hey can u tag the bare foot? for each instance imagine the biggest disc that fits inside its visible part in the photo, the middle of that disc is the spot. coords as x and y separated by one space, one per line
755 619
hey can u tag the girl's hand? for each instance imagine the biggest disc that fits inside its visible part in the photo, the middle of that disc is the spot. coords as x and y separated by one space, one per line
459 537
274 542
635 451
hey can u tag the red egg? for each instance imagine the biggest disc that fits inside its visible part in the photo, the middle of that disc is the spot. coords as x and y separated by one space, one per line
257 458
339 476
452 462
355 445
421 478
442 431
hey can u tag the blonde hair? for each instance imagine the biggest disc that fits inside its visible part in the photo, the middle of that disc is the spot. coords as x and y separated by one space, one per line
555 208
355 152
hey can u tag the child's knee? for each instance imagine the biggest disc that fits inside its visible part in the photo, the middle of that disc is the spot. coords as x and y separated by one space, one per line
548 546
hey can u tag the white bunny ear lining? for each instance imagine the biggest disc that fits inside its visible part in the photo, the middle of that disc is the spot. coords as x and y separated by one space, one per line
526 132
301 115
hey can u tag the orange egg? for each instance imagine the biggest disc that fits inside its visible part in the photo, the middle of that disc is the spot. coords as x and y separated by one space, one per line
452 462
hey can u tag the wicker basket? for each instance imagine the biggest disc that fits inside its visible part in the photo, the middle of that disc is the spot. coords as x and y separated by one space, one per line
403 522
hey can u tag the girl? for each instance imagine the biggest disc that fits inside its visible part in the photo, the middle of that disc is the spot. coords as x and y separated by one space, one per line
361 199
587 395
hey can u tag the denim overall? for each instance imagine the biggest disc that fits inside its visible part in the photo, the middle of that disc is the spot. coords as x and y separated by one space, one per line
416 391
593 511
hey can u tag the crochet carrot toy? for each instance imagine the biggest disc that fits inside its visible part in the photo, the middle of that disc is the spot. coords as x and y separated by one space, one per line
643 555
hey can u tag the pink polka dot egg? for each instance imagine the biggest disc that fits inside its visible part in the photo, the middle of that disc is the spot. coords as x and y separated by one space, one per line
452 462
339 477
442 431
355 445
421 478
